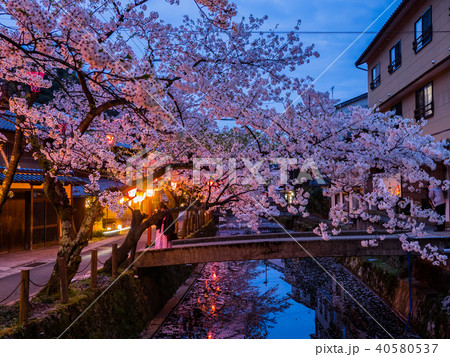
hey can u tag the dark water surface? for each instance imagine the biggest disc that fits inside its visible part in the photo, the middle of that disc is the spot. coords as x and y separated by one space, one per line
292 298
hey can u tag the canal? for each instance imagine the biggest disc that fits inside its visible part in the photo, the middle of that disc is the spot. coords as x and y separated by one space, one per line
292 298
289 298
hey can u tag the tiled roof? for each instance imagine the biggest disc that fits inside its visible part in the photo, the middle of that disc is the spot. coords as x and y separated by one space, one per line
397 11
36 176
352 100
7 125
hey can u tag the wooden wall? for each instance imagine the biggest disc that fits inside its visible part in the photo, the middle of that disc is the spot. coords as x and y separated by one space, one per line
12 224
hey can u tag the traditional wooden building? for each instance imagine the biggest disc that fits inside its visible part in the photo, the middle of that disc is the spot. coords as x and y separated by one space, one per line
28 220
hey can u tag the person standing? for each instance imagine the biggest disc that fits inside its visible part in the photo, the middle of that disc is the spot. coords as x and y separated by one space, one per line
437 199
164 229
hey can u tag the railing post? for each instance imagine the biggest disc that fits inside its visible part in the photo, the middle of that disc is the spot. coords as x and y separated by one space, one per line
202 218
187 223
184 227
64 286
194 222
114 261
191 222
24 296
94 255
153 239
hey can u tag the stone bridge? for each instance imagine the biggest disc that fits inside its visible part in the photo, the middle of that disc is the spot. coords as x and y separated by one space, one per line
276 246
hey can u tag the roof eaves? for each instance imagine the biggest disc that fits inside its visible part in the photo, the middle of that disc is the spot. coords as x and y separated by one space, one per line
362 59
352 100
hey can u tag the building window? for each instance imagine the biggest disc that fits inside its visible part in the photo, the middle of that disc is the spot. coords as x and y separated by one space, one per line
397 109
395 58
422 31
375 76
424 102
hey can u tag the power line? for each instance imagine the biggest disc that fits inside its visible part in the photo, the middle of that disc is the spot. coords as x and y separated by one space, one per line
340 32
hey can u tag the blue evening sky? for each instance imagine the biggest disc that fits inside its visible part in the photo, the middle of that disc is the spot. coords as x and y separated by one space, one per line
316 15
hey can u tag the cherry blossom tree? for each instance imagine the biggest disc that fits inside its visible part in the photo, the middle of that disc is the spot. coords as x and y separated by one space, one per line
166 96
138 84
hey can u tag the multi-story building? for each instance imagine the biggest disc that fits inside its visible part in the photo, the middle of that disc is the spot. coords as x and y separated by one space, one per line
408 65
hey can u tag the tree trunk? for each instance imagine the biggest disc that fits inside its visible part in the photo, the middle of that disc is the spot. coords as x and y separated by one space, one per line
138 227
72 243
12 165
130 240
18 148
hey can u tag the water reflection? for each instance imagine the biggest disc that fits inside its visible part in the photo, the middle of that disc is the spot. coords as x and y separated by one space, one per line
293 298
224 303
344 307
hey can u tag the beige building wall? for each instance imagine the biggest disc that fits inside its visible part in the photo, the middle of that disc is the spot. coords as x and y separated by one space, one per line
431 63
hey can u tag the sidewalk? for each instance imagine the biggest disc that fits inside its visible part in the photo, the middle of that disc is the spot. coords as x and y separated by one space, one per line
11 263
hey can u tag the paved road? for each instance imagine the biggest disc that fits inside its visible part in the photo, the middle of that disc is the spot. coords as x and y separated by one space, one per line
40 273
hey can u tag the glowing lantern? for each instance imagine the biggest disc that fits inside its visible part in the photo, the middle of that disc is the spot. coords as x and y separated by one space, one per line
213 309
210 183
174 185
150 192
62 128
217 289
110 139
132 193
34 88
214 275
209 335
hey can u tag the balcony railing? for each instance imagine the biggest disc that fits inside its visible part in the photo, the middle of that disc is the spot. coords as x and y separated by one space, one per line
375 83
424 111
395 64
423 39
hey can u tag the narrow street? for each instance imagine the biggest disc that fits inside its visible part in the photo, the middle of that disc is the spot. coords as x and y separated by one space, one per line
40 263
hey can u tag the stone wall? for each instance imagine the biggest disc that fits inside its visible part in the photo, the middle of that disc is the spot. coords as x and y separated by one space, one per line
123 311
428 317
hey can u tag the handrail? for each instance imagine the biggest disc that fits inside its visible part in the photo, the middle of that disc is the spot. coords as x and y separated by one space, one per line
422 110
423 39
395 64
